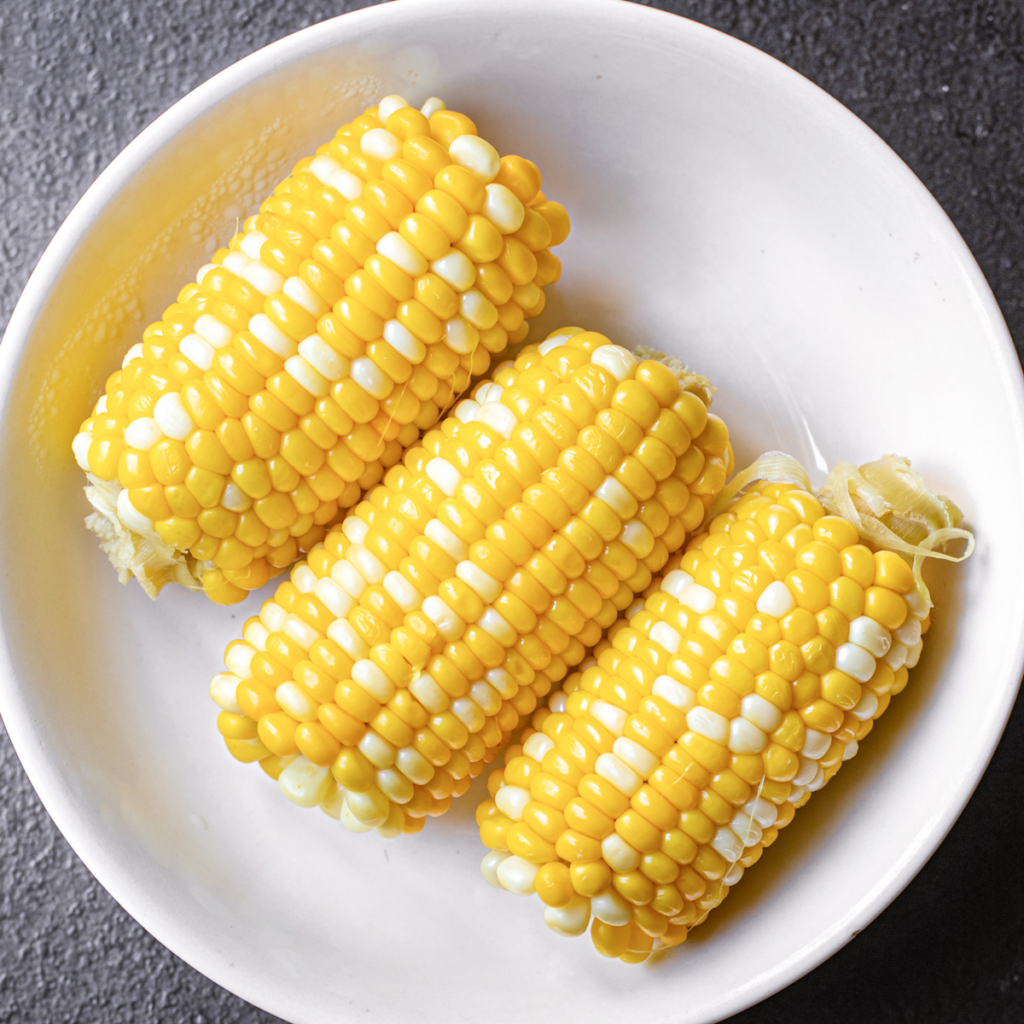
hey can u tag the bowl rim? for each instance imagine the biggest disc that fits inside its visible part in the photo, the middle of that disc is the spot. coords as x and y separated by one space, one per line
90 843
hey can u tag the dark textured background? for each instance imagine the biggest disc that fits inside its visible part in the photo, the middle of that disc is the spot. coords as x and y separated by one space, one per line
942 83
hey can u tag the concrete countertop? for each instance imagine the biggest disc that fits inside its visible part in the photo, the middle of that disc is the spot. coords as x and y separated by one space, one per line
941 82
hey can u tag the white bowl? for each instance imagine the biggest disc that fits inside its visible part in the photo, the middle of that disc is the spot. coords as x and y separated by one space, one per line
724 209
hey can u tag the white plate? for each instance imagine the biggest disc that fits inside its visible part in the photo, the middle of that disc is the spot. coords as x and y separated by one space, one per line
724 209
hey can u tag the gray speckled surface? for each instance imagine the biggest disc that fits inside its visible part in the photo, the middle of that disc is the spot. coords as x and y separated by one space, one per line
943 83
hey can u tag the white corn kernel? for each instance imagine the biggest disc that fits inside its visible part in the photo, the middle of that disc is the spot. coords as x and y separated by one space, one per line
763 713
503 209
426 690
485 697
321 167
349 820
478 156
306 377
268 333
449 623
266 281
301 632
455 268
135 352
612 908
432 106
345 636
389 105
239 660
414 766
747 828
763 810
637 538
709 724
676 582
404 342
223 688
727 843
538 746
402 253
377 750
618 361
304 783
698 598
897 656
618 854
366 563
634 756
489 866
662 633
494 625
83 442
512 801
733 875
130 516
443 537
394 785
866 706
570 920
197 350
501 679
461 336
371 378
745 737
323 358
380 144
622 777
611 717
873 637
373 680
301 294
806 771
402 592
468 712
500 418
855 662
616 496
296 702
518 876
345 182
910 632
914 654
172 417
487 587
674 692
850 750
776 600
444 474
142 433
371 807
816 744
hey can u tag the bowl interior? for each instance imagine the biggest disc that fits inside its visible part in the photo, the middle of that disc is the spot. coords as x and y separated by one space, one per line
723 210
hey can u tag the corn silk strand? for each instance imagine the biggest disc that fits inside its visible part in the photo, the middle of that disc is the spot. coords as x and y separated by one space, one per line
890 505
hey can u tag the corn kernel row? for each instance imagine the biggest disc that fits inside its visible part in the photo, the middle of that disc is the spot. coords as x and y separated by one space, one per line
736 689
405 651
345 318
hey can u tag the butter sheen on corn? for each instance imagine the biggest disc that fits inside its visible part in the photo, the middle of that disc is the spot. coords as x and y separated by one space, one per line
406 649
737 688
345 318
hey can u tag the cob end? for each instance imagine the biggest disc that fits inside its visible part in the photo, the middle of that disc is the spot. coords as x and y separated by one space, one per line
152 562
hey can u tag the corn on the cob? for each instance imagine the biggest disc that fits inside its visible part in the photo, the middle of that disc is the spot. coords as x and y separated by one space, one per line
404 651
738 688
345 318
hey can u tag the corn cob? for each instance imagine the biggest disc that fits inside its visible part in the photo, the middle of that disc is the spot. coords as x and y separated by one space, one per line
735 690
406 649
345 318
